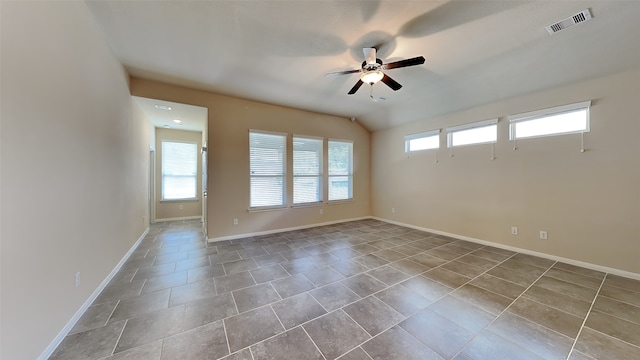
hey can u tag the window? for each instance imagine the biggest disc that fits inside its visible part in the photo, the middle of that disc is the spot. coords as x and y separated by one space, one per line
267 153
475 133
567 119
340 170
422 141
179 170
307 170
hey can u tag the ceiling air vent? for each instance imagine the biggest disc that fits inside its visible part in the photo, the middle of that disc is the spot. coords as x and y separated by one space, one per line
582 16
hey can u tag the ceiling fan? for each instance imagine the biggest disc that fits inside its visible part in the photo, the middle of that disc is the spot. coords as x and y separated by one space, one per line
372 70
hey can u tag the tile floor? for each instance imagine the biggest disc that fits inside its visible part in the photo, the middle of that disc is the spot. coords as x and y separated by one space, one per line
353 291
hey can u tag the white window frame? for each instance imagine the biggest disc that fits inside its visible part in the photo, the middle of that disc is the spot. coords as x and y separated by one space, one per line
422 135
546 113
476 125
349 170
162 171
282 175
317 175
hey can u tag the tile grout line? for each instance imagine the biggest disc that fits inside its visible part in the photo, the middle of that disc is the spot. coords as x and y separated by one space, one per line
162 348
322 306
226 335
621 302
615 338
573 282
360 326
505 310
405 317
272 336
577 273
234 303
385 330
584 321
421 274
111 313
119 336
360 298
357 347
551 307
313 342
299 325
493 267
279 321
132 276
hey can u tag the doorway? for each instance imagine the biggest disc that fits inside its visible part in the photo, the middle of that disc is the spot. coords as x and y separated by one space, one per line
173 121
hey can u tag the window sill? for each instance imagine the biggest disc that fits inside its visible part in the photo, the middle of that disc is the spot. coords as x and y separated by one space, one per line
338 202
266 208
310 204
179 200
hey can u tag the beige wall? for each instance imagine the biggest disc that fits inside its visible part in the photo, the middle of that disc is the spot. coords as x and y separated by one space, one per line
171 210
74 169
588 202
228 134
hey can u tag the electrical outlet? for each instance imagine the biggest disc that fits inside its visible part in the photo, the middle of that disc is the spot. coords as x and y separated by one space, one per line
393 210
321 211
235 221
180 207
514 230
543 235
77 279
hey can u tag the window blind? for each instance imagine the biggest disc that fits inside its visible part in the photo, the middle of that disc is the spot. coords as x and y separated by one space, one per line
267 153
340 175
307 170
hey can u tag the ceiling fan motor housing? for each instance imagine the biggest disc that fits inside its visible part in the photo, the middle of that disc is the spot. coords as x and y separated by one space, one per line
372 67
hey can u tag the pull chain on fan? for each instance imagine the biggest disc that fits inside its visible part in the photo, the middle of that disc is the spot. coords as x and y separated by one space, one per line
375 99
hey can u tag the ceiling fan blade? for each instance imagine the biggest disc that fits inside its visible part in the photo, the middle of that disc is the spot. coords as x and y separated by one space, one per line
391 83
402 63
355 87
369 55
343 72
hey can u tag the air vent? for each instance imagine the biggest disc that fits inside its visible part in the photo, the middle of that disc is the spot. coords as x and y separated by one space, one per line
578 18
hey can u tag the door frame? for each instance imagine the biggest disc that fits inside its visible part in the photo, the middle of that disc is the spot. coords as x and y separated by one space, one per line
152 185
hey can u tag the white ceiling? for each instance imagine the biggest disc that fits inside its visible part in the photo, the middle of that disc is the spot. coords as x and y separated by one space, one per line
161 114
277 51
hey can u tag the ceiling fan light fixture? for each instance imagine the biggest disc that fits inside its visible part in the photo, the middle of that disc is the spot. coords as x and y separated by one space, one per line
371 70
372 77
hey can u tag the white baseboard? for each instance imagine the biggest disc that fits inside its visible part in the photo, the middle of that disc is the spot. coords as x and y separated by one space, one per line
178 218
63 333
583 264
268 232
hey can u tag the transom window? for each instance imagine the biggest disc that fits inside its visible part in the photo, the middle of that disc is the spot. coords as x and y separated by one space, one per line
474 133
422 141
566 119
